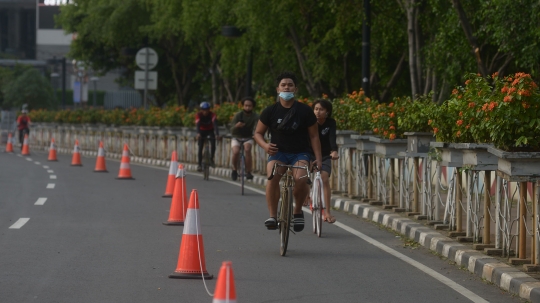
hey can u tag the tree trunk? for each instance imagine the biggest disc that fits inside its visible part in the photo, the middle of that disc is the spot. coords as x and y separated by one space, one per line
411 10
470 37
394 78
306 75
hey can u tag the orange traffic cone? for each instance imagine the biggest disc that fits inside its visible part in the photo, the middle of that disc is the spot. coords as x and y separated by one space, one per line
9 145
76 159
52 151
179 205
100 161
225 290
25 148
171 179
125 170
191 263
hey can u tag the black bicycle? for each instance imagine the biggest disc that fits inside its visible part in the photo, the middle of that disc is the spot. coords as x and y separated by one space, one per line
242 162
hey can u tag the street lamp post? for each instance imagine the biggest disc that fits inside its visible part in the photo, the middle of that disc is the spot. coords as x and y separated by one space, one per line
235 32
94 80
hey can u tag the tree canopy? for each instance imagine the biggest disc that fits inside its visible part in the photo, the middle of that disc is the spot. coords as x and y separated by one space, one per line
417 46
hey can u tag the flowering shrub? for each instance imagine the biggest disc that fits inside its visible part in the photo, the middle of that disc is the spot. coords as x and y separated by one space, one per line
351 112
384 120
414 116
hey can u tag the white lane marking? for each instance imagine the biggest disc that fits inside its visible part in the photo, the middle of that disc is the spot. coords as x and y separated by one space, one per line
37 163
19 223
19 155
50 171
52 176
50 185
45 166
40 201
28 159
437 276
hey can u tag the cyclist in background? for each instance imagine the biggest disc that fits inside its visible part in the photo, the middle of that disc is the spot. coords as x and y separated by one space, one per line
243 124
207 125
23 125
327 135
293 130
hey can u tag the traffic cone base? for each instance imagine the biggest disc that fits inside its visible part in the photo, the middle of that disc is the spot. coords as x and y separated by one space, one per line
191 262
179 202
171 180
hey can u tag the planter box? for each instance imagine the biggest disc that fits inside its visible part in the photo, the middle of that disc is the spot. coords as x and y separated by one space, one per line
517 166
418 143
450 156
389 148
363 144
478 157
343 137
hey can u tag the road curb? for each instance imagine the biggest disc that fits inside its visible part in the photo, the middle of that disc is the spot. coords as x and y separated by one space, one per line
491 269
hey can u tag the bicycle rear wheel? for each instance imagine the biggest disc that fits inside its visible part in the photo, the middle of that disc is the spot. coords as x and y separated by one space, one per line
285 213
206 164
242 171
316 198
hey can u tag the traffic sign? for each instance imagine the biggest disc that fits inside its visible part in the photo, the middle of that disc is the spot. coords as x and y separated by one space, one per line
140 79
146 57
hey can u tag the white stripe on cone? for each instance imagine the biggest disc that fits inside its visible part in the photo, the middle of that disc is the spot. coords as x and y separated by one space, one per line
173 168
124 165
125 153
192 225
180 173
101 152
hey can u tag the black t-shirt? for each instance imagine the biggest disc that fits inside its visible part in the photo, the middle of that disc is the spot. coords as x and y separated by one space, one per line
327 136
293 137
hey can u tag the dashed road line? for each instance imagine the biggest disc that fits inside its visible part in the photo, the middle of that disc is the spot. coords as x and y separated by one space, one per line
52 176
28 159
20 223
50 185
38 163
50 171
45 166
40 201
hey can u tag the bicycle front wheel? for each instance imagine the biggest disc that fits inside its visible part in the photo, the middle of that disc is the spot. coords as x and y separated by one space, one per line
317 208
285 220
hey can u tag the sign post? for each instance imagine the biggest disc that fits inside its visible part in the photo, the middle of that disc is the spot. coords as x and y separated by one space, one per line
146 59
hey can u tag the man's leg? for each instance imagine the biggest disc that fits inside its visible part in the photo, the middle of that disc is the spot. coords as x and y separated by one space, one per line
235 154
247 153
272 189
199 151
301 189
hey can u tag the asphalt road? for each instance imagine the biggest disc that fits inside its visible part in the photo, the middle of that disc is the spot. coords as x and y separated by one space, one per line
97 239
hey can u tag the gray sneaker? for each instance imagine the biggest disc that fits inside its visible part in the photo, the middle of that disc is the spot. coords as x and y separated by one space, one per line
234 175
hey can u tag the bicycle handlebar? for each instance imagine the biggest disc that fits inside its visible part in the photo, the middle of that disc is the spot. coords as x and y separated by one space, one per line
277 164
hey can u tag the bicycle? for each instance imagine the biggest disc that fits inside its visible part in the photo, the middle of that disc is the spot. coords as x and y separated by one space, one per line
206 158
285 210
318 203
242 162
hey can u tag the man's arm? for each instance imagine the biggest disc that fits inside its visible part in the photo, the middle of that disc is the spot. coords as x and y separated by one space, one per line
260 130
315 144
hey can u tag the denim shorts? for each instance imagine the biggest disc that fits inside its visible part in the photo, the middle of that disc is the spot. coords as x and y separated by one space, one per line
290 158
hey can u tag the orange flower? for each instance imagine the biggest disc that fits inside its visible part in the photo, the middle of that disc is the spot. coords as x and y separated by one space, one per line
467 82
429 122
471 104
385 133
504 89
392 136
458 133
508 99
435 130
459 122
455 91
461 114
525 105
392 127
492 105
468 126
495 74
391 104
392 114
375 130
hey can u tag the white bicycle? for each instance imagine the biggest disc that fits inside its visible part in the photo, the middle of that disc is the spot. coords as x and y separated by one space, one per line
318 205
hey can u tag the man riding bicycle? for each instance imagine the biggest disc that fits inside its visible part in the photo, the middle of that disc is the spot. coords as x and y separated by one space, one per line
294 136
23 125
207 125
243 124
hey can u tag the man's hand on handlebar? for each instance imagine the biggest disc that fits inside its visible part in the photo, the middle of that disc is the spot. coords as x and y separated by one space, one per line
271 149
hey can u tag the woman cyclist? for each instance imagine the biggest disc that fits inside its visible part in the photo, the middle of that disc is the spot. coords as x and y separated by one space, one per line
207 125
327 135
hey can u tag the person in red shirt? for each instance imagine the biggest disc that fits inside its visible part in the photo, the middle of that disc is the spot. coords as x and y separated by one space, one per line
23 125
207 125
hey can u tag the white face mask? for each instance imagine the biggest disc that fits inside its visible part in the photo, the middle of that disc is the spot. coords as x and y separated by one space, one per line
286 95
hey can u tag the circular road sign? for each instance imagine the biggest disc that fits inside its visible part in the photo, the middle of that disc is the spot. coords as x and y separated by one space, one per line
142 56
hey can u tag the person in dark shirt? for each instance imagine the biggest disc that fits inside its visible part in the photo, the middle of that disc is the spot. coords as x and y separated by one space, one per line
243 124
327 135
23 125
293 130
206 122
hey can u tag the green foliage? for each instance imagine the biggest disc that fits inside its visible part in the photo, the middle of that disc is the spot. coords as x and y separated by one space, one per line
30 87
414 116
